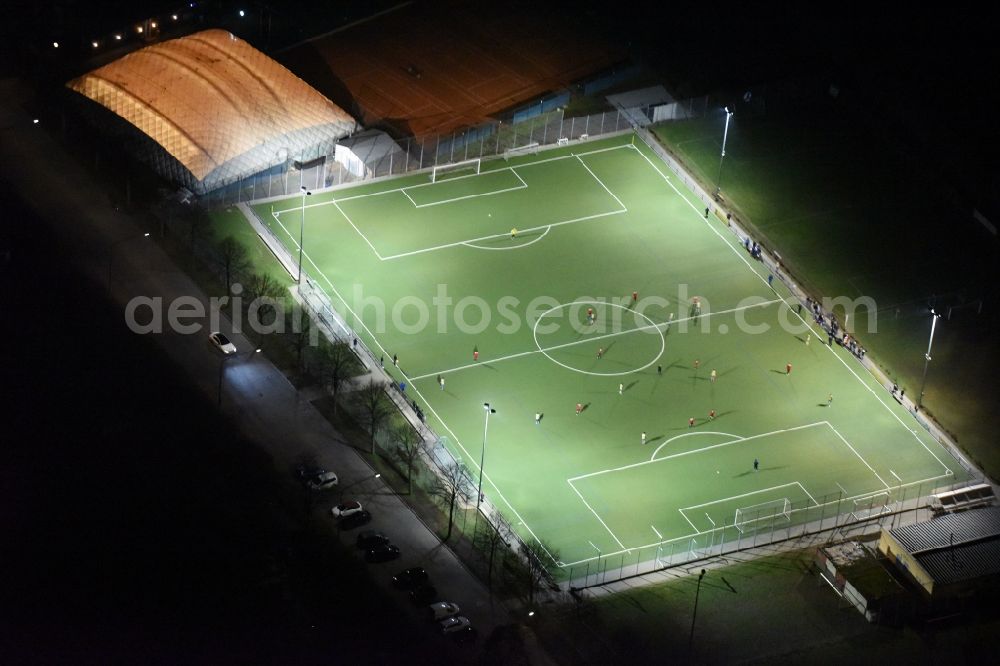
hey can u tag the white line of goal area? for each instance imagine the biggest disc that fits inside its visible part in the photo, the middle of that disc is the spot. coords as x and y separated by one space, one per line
522 186
738 251
736 497
468 241
593 339
737 440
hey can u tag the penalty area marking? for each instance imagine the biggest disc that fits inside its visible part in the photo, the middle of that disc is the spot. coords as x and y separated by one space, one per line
515 247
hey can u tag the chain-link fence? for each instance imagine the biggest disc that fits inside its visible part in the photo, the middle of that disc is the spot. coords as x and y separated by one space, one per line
766 526
412 154
837 515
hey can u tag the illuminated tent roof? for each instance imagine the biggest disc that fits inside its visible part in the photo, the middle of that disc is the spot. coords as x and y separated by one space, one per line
219 107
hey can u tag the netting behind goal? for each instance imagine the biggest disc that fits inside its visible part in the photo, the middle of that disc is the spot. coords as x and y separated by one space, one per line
529 149
763 514
463 168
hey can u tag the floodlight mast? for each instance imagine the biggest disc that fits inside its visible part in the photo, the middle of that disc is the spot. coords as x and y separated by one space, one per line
927 358
302 225
482 458
722 157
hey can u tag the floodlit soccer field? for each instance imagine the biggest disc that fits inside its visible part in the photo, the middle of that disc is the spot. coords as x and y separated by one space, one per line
430 272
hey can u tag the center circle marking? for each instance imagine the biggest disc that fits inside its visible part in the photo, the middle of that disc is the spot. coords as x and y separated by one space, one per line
663 340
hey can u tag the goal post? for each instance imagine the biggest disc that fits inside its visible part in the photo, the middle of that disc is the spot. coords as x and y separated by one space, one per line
529 149
752 517
464 168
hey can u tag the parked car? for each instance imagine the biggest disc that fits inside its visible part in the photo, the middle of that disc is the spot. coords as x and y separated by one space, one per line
222 342
348 508
453 624
369 538
423 594
355 520
442 609
464 635
381 553
323 481
410 578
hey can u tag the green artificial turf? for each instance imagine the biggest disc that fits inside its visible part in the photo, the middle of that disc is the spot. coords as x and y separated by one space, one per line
404 260
852 217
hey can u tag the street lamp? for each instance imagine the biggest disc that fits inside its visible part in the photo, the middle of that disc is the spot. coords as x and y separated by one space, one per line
927 358
725 135
302 225
222 367
482 458
697 591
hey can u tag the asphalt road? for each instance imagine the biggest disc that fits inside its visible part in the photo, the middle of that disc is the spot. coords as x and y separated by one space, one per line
109 249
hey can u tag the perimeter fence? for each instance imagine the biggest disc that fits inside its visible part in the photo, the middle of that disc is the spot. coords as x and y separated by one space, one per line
838 515
838 512
413 154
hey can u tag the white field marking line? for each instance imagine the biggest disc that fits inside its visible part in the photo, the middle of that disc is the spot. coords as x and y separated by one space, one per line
877 397
596 338
435 414
492 236
860 457
694 451
336 202
761 277
516 247
601 182
476 175
693 526
467 196
349 221
587 504
691 434
689 536
737 252
736 497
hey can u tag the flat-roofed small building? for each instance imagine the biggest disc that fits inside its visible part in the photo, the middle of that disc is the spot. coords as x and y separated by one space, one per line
951 555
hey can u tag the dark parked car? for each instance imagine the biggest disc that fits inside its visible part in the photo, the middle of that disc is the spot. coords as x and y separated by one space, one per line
355 520
370 538
410 578
381 553
423 595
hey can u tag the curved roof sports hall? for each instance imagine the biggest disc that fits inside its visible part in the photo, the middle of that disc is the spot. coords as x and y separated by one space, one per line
218 107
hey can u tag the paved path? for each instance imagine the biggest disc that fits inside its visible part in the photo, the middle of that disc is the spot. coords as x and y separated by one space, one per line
112 249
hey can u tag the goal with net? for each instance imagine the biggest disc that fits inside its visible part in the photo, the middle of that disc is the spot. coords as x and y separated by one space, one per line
455 169
529 149
763 514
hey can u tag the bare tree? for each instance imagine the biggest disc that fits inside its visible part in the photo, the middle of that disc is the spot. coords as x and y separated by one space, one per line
301 331
375 407
337 365
540 564
496 531
262 292
409 444
232 258
452 484
199 226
